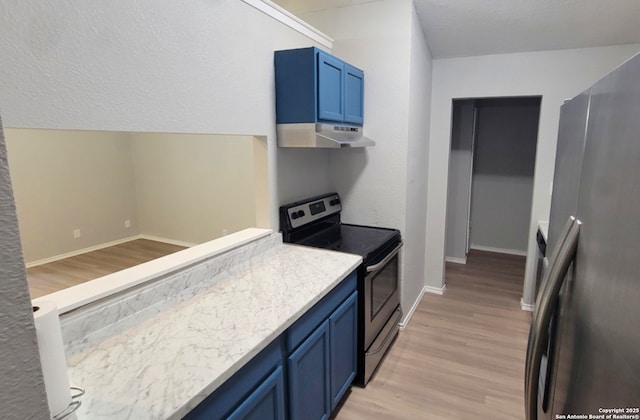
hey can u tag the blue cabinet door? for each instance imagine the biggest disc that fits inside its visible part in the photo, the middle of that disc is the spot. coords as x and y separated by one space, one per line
309 377
266 402
342 337
243 385
330 88
353 95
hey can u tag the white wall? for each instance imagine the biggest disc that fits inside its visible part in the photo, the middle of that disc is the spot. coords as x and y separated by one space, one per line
66 180
22 393
420 70
386 185
193 187
376 38
154 66
556 75
458 192
504 158
151 65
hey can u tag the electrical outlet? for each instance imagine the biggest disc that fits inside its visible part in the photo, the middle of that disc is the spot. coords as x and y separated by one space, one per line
76 233
127 224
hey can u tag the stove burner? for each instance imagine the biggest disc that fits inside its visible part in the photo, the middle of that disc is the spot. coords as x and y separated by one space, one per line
352 239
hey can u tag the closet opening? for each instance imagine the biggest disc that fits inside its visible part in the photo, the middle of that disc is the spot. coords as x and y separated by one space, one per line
490 187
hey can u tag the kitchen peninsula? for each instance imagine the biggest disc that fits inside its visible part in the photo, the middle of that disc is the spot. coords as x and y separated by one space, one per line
159 350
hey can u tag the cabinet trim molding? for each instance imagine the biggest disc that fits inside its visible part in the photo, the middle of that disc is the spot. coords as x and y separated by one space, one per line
283 16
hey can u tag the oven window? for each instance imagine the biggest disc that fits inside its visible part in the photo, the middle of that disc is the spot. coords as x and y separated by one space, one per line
383 285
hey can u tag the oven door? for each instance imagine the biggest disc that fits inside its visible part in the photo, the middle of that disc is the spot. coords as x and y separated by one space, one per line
381 295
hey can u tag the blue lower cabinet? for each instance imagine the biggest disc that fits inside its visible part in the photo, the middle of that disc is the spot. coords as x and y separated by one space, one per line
309 377
302 374
258 387
342 339
266 402
323 366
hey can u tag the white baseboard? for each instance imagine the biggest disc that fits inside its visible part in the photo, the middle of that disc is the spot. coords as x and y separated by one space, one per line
166 241
436 290
409 314
526 306
456 260
499 250
425 289
80 251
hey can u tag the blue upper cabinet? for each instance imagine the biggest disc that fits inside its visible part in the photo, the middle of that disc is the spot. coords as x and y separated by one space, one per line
330 88
313 86
354 95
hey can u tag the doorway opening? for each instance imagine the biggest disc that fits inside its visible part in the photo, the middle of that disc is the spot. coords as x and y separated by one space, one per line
491 169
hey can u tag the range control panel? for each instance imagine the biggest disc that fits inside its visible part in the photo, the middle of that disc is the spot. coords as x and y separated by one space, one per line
305 213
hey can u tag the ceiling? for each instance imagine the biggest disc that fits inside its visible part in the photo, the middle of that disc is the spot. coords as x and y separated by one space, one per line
457 28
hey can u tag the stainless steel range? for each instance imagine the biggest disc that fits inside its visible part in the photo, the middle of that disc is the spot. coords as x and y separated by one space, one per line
316 222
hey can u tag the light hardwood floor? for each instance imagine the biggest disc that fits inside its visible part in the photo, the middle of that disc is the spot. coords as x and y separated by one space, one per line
51 277
462 354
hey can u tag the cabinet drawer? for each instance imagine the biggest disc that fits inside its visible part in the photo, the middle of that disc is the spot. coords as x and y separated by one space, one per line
304 326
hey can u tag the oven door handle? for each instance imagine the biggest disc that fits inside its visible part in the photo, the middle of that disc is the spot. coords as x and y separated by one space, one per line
376 267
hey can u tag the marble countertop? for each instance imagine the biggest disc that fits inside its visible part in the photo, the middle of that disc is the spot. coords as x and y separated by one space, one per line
168 361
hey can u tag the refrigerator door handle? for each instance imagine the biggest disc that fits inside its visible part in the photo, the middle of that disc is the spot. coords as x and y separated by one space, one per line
553 258
562 258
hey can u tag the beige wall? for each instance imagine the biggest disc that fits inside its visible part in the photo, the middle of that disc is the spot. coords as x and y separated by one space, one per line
181 188
261 181
65 180
191 187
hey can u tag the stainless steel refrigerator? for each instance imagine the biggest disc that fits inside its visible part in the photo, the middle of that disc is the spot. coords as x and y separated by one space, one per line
583 356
